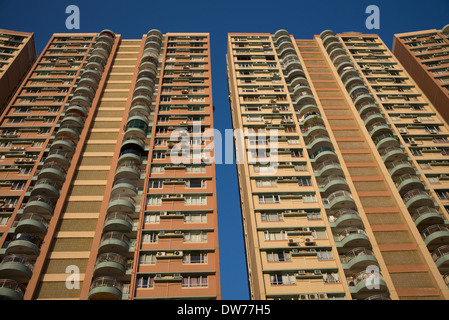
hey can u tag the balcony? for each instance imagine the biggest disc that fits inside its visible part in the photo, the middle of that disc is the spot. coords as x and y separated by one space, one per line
316 127
345 218
151 54
328 168
318 141
122 203
110 264
81 101
125 187
352 237
372 117
441 258
114 241
350 80
24 244
304 99
91 74
11 290
323 154
378 128
328 39
400 167
331 184
279 33
358 259
417 198
63 144
85 91
365 108
32 223
305 108
147 73
52 171
108 33
294 72
106 45
408 182
101 52
340 58
386 140
151 44
105 288
79 110
68 132
16 267
39 204
338 200
127 170
133 142
392 154
426 216
131 155
46 187
143 99
435 235
366 284
60 157
145 82
118 221
73 120
362 97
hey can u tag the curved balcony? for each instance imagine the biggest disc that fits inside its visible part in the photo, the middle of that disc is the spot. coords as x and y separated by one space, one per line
306 108
392 154
46 187
130 155
85 91
386 140
127 170
445 30
300 90
125 187
63 144
417 198
81 101
39 204
91 74
426 216
121 203
147 73
400 167
133 142
435 235
298 81
98 58
110 264
114 242
365 108
24 244
352 237
52 171
11 290
100 52
154 38
358 259
350 80
279 33
328 168
143 99
60 157
366 284
340 58
104 45
69 132
344 65
118 221
336 52
134 114
345 218
150 55
339 199
154 32
151 44
304 99
109 33
32 223
73 120
311 116
378 128
145 90
79 110
331 184
95 66
289 62
135 127
408 182
323 154
316 127
318 141
328 39
441 258
372 117
144 109
362 97
16 267
295 71
105 288
145 82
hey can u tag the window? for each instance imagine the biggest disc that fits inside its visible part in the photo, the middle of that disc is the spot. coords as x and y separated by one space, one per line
152 218
442 194
296 153
197 257
145 258
150 237
194 281
324 255
268 199
4 220
145 282
154 201
195 217
195 183
304 182
274 235
195 169
271 216
155 184
279 279
331 278
157 169
195 200
195 236
279 256
266 183
159 155
18 186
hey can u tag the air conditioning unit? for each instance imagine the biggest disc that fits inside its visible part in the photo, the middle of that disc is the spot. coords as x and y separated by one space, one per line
317 272
433 132
322 296
164 213
313 296
178 232
303 297
178 253
301 272
160 254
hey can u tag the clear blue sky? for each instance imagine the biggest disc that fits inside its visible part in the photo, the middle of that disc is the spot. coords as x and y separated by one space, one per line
132 19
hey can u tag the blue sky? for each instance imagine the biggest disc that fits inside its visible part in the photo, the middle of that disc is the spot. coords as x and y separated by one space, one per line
132 19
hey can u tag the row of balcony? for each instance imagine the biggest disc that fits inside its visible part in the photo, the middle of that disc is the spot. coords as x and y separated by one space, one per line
352 242
113 254
24 246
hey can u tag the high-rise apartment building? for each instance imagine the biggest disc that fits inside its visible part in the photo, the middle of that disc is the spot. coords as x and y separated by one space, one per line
107 188
17 55
425 56
343 170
